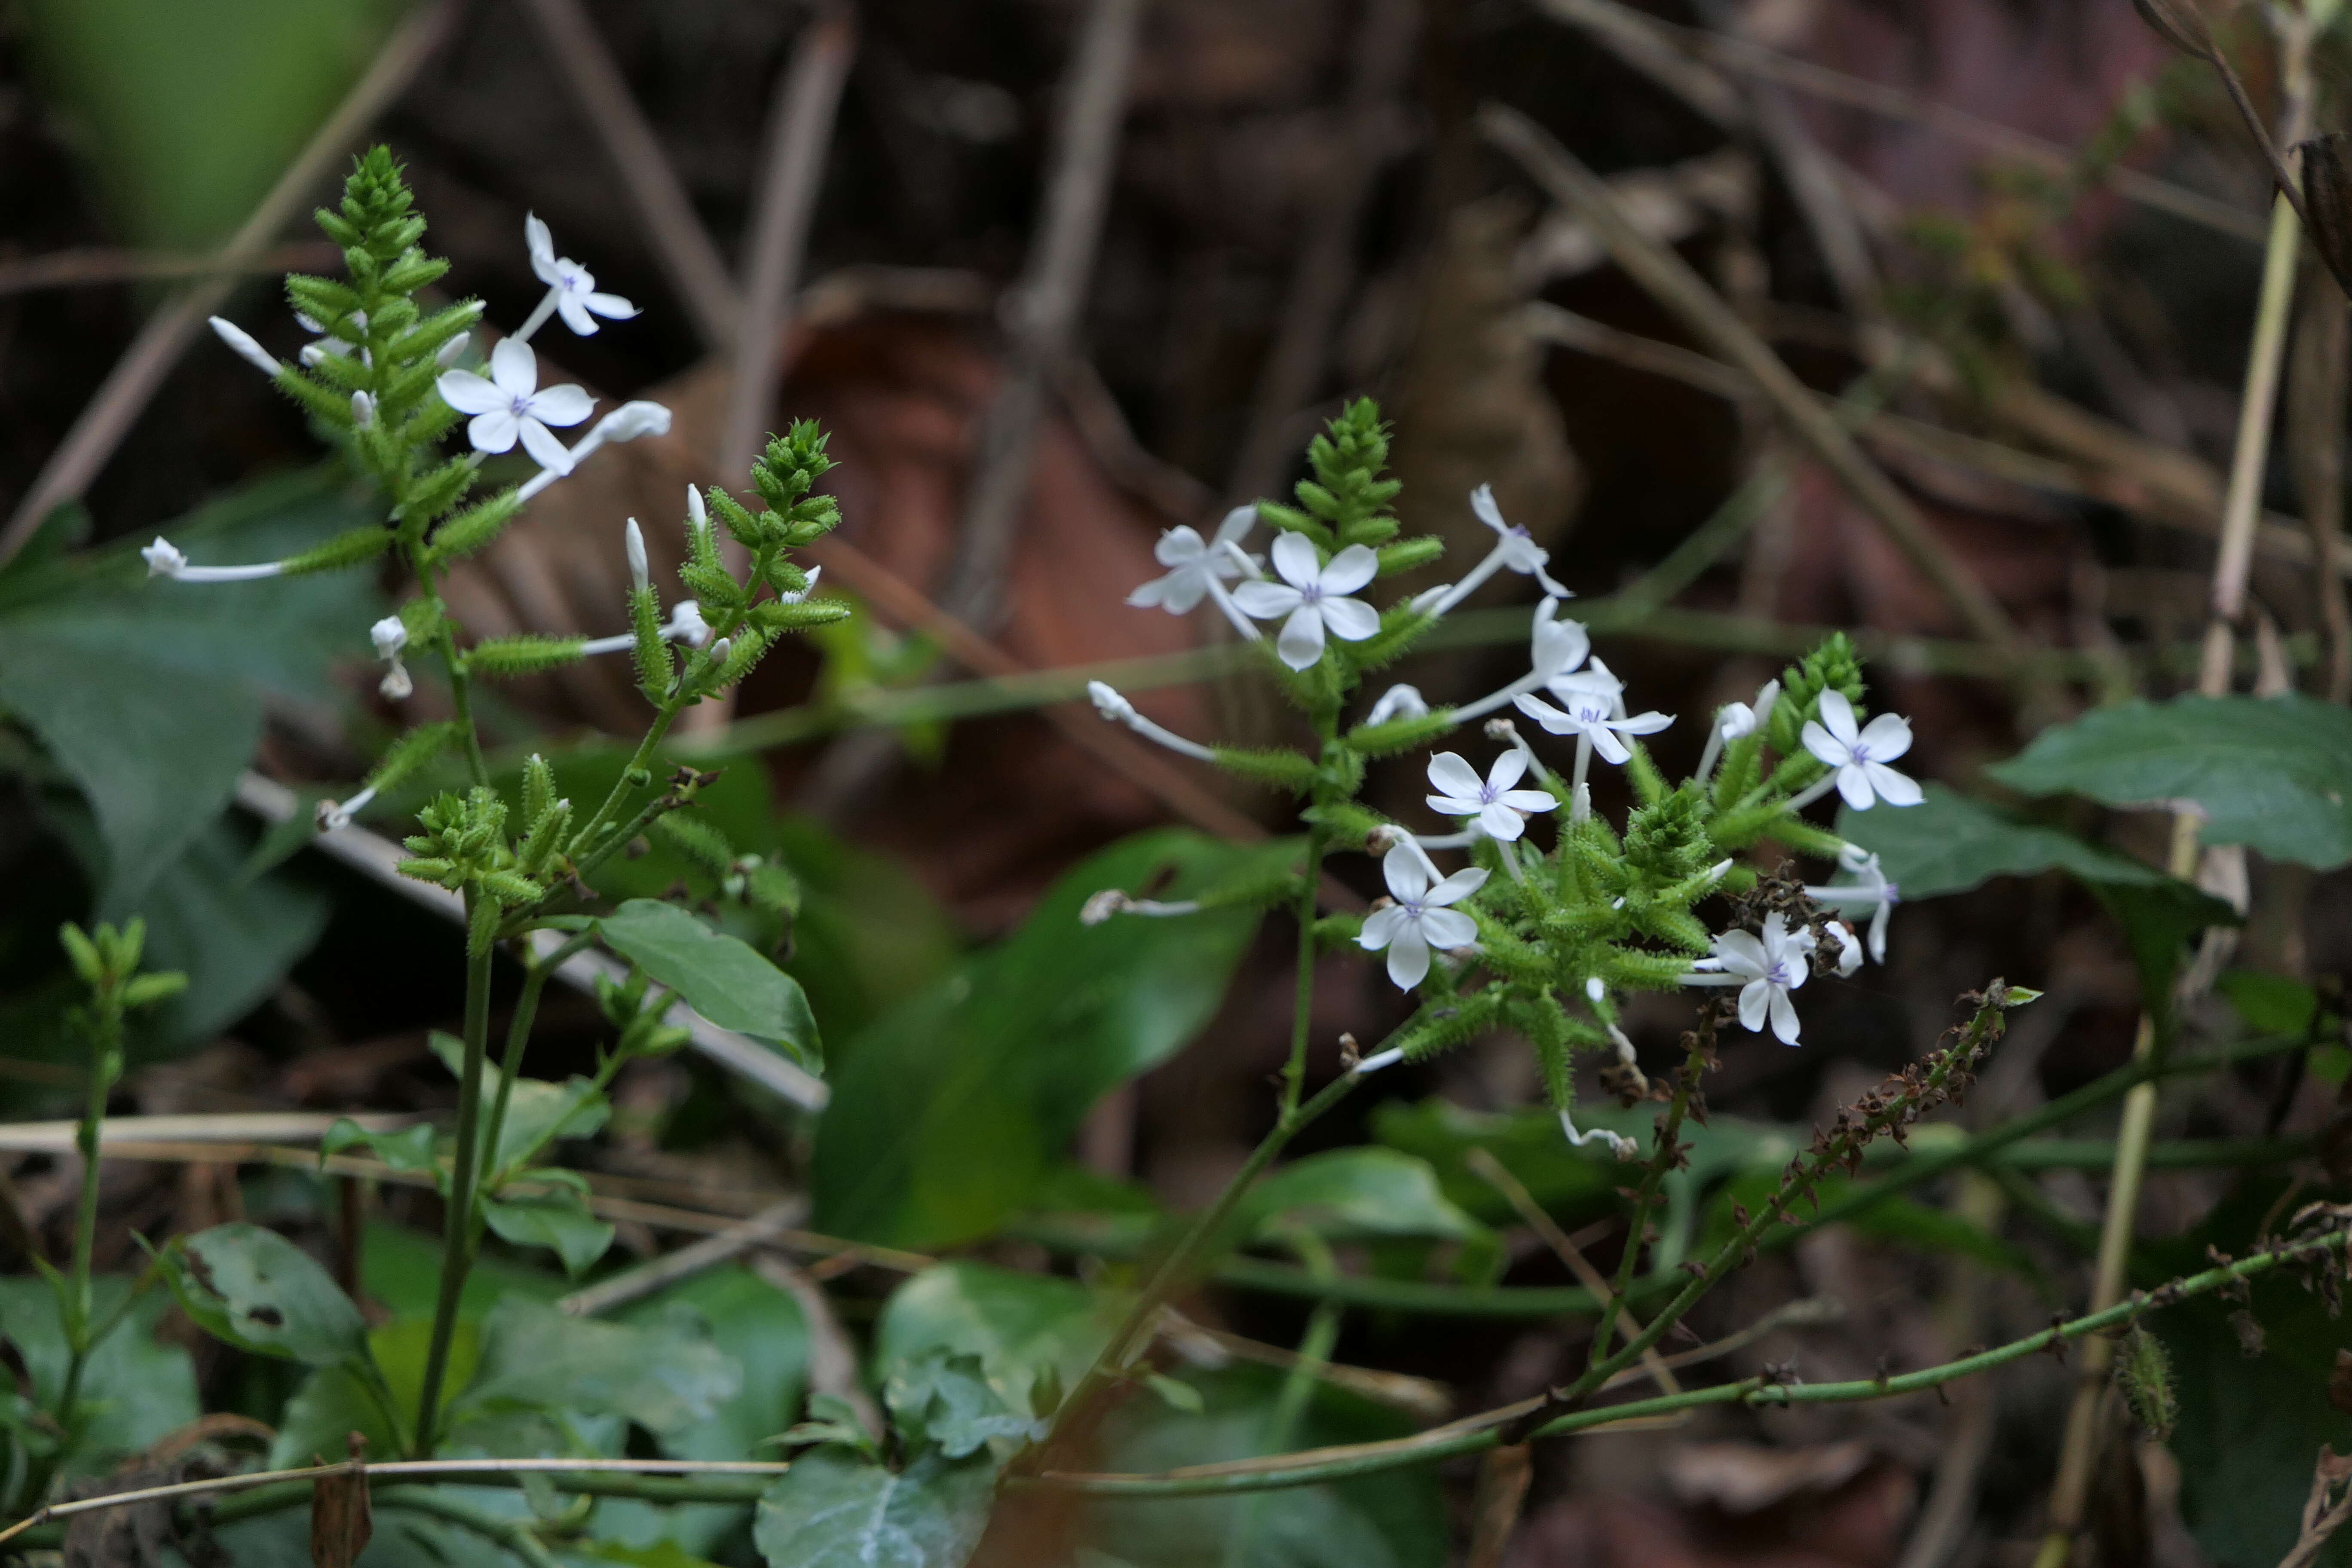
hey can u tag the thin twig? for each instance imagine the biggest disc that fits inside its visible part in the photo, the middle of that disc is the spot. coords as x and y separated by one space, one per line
2315 413
661 1273
832 1356
1503 1477
1673 282
1325 270
85 265
165 335
681 244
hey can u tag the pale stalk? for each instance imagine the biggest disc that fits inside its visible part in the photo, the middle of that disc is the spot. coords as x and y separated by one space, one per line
2242 509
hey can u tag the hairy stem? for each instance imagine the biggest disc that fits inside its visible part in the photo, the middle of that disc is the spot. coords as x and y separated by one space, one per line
1665 1157
457 1229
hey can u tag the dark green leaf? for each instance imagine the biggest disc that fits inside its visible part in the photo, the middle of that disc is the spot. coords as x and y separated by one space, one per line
537 1112
258 1292
2270 772
2270 1004
559 1221
133 1391
944 1399
1354 1193
1014 1324
948 1113
408 1149
664 1378
832 1511
721 977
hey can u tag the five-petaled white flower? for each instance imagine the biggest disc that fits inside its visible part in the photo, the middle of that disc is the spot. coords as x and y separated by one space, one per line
1871 890
1195 565
570 287
510 406
1500 809
1861 756
1419 920
1399 701
1517 548
1774 965
1313 595
1591 716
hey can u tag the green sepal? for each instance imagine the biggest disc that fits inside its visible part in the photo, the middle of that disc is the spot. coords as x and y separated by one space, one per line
353 548
473 529
425 339
411 273
650 653
1270 766
714 589
549 825
1345 824
481 925
1385 740
412 752
439 489
538 786
1409 555
697 840
1290 520
527 654
773 619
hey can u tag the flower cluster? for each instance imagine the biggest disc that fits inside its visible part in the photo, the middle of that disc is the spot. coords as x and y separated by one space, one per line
1543 942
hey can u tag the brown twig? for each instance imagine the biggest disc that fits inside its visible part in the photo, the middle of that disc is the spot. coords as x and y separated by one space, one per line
1325 270
2324 1512
832 1357
165 335
1503 1477
652 1277
2314 412
681 244
1673 282
85 265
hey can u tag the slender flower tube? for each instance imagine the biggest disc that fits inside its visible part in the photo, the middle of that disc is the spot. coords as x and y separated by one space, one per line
163 560
685 624
1734 722
626 423
1119 711
1870 889
1515 548
333 817
1113 901
1621 1147
242 345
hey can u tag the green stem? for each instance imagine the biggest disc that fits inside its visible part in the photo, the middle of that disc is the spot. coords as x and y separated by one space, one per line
1302 1011
1474 1433
514 1534
457 1230
1663 1159
1177 1269
526 1010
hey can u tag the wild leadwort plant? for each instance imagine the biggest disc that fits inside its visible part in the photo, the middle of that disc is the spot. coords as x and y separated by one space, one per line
387 383
1544 943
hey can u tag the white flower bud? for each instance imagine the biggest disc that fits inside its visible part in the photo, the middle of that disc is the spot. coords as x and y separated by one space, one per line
1101 907
794 598
694 508
632 420
390 634
241 343
720 649
395 686
449 353
363 410
1399 701
164 558
1108 702
633 542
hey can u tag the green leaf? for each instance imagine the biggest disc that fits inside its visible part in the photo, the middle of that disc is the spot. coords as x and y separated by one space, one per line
664 1378
409 1149
2270 772
1393 1520
1353 1192
832 1511
401 1267
721 977
537 1112
133 1391
945 1399
2270 1004
559 1221
948 1113
1014 1325
255 1290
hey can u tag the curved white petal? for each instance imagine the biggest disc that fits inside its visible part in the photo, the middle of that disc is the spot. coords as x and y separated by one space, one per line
1501 823
1301 642
1451 773
494 431
1481 505
1408 957
1894 788
1455 804
1401 869
1755 1000
1267 601
1605 742
469 394
612 307
535 235
1177 593
1237 525
1296 560
1351 620
1179 546
1784 1017
1508 768
1825 746
1527 800
1448 928
1545 714
1837 715
1853 784
1886 737
546 448
514 368
1742 952
1456 887
1349 569
1381 928
1642 723
565 405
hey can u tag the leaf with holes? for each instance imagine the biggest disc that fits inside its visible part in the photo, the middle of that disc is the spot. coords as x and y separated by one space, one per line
255 1290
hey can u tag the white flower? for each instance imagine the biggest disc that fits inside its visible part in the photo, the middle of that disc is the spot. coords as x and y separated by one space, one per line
164 558
1595 679
1736 721
241 343
625 423
1772 966
390 636
1870 889
572 287
632 545
1398 701
1312 594
1590 716
1419 920
1516 547
510 405
687 624
1555 646
1860 758
1849 946
1195 565
1500 809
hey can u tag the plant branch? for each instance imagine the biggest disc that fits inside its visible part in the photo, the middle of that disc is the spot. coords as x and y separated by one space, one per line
458 1228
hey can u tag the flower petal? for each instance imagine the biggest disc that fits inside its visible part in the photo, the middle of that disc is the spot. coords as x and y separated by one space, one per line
1296 559
545 447
1853 784
1451 772
1784 1017
1408 957
1894 788
1351 620
1545 714
1837 715
494 431
1527 800
1237 525
514 368
573 309
1501 823
612 307
1455 804
542 247
1448 928
1605 742
1267 600
1642 723
1179 546
1755 1000
1301 642
1742 954
1401 869
565 405
1481 504
1351 570
1456 887
469 394
1508 768
1381 928
1177 593
1826 746
1886 737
